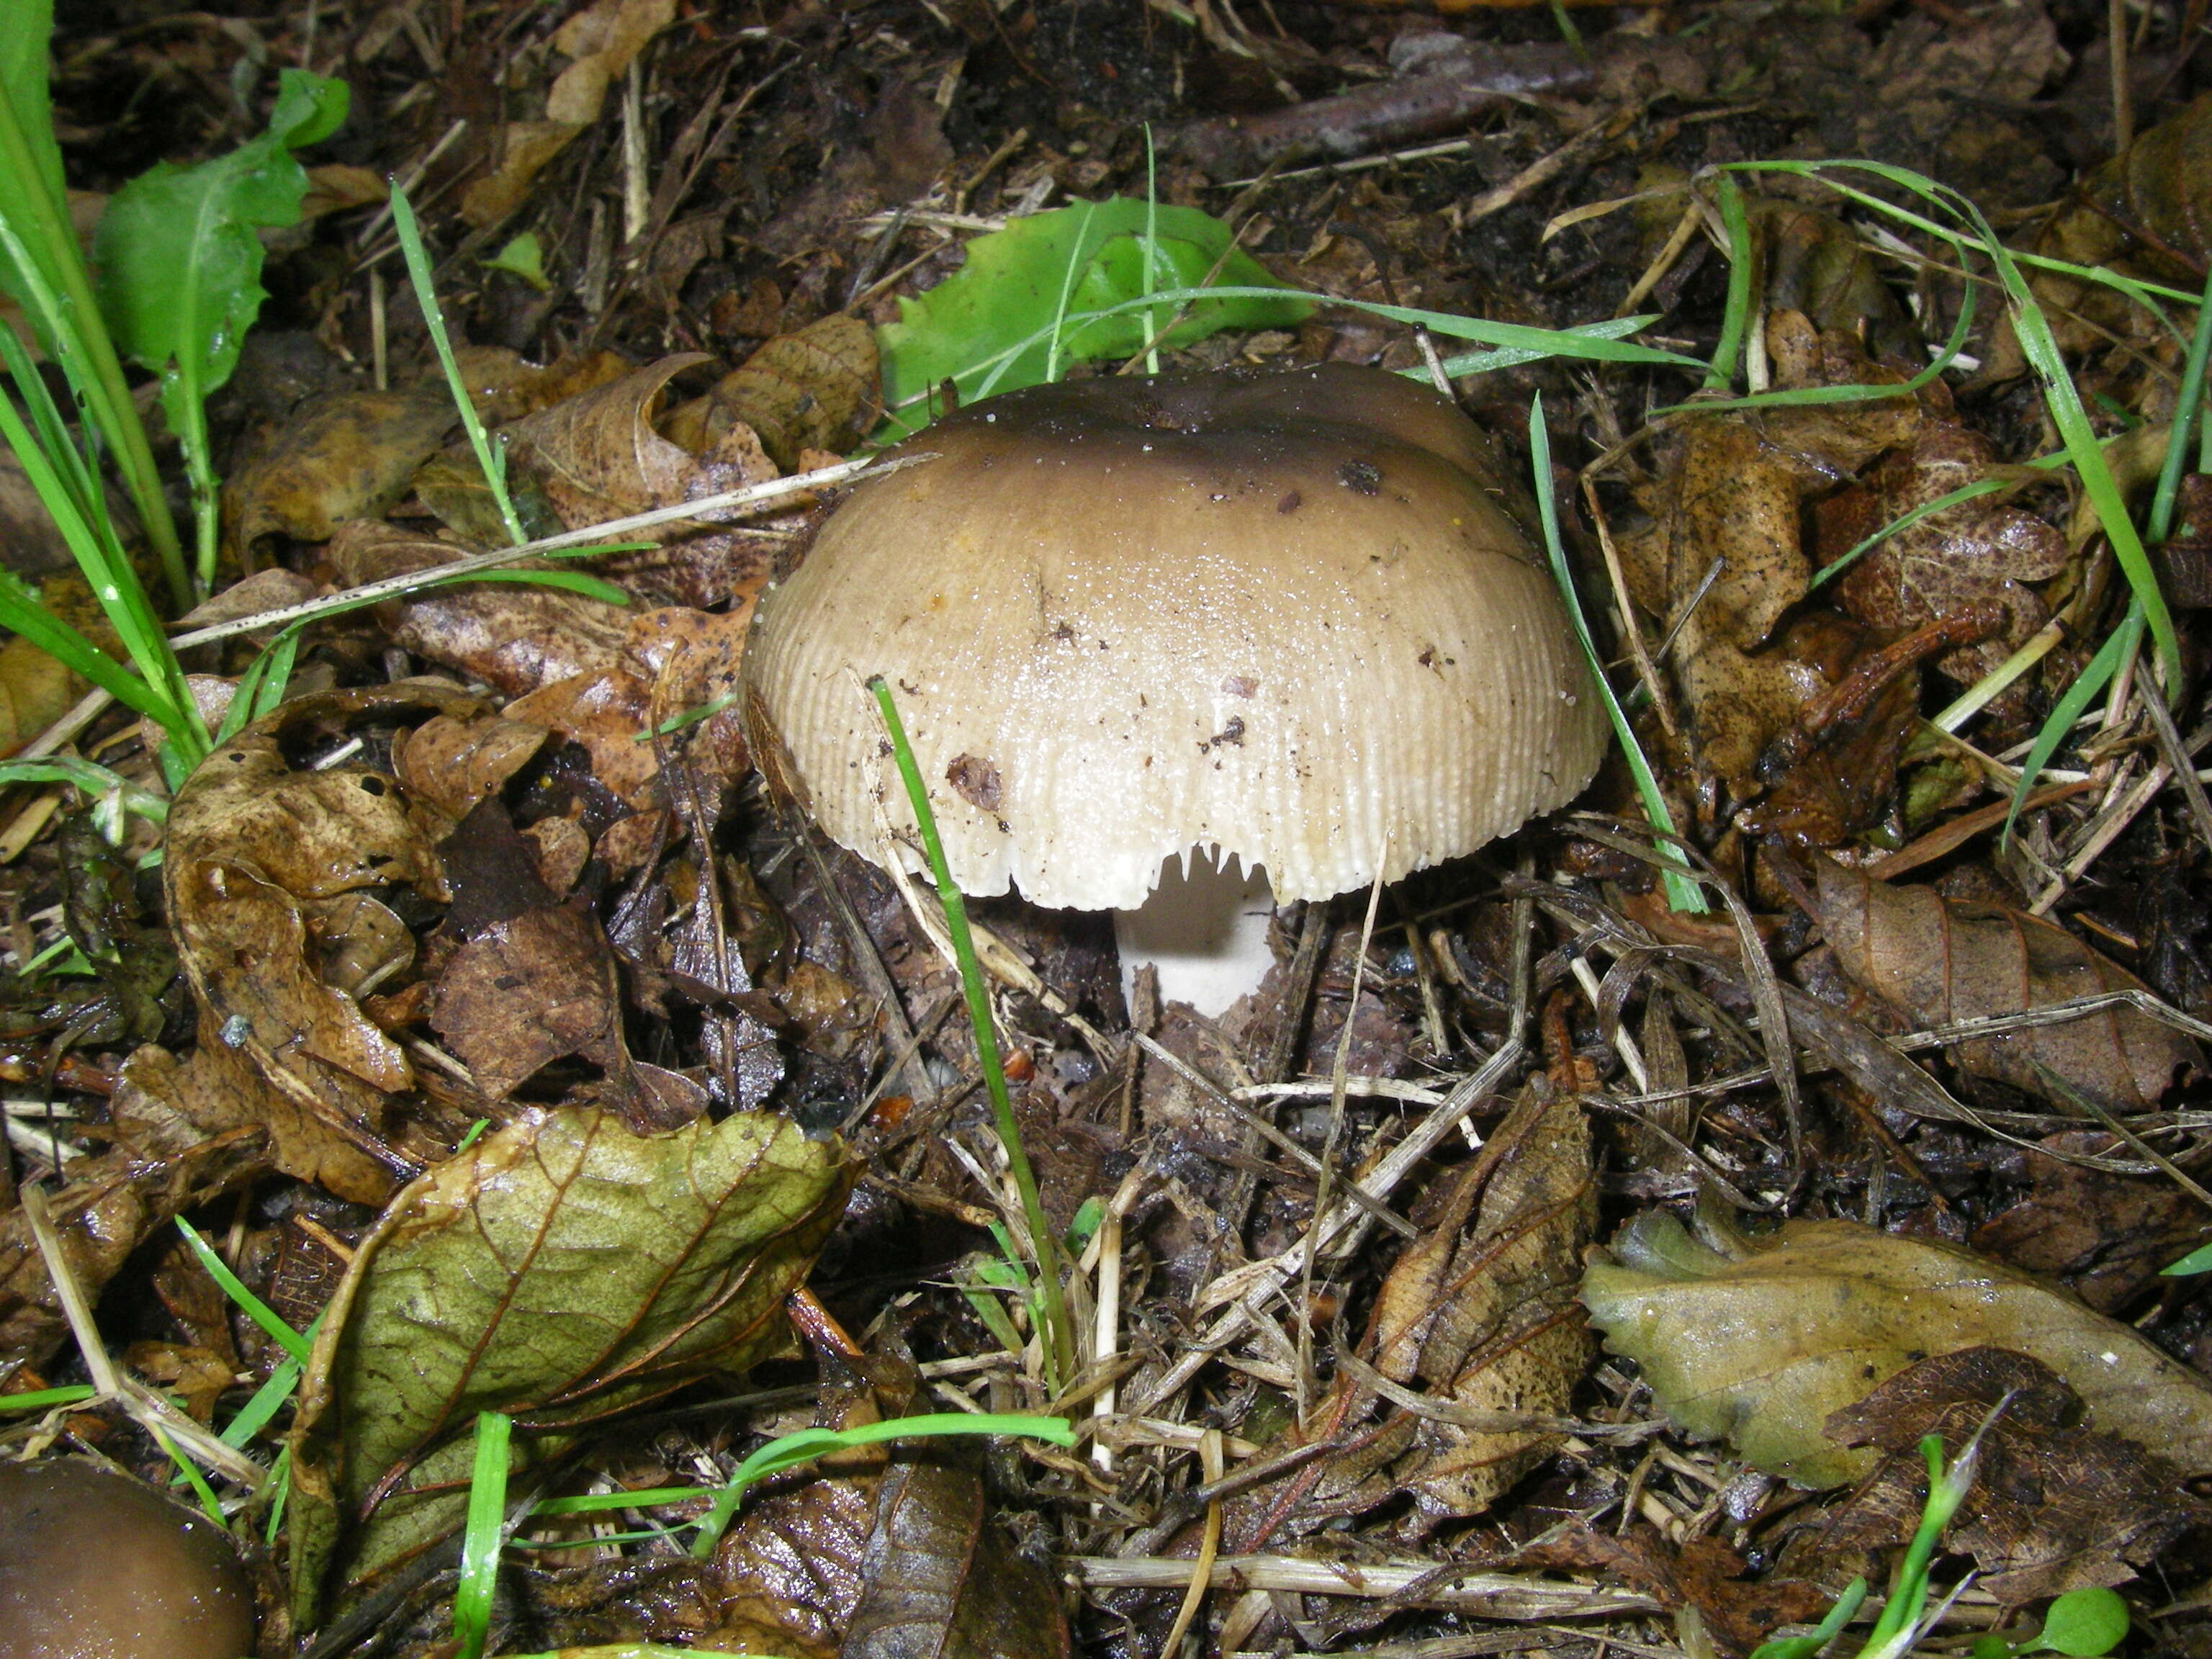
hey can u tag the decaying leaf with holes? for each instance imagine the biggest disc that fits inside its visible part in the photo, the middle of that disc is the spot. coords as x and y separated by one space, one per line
1761 1342
1935 960
560 1270
2053 1508
1476 1329
257 850
1724 563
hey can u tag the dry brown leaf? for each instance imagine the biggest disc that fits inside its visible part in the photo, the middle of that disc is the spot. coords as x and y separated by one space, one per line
527 991
694 658
1479 1313
256 850
515 638
2052 1508
1939 962
335 186
603 713
1704 1573
797 393
1733 497
1763 1345
2106 1235
452 764
272 589
603 39
598 455
937 1577
112 1204
340 456
2142 213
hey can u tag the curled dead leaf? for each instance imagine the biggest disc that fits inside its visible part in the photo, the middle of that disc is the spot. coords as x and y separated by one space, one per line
1936 960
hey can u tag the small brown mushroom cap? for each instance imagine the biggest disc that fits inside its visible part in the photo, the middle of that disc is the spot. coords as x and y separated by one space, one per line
95 1566
1282 615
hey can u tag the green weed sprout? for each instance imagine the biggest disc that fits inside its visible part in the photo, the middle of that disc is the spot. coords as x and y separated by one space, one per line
490 456
2082 1623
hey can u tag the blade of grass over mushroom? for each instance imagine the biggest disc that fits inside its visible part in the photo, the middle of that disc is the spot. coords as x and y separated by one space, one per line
1735 319
1682 890
1480 362
1513 343
1059 1334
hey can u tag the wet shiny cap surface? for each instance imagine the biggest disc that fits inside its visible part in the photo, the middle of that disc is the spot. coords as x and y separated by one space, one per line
96 1565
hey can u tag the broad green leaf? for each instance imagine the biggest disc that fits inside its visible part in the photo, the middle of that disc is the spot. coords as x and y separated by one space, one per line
561 1269
988 327
179 251
2084 1623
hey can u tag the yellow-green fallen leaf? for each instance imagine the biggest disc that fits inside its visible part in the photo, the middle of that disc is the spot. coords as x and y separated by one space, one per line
1759 1347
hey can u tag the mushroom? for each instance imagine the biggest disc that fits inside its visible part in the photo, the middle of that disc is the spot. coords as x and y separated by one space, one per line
1279 622
95 1566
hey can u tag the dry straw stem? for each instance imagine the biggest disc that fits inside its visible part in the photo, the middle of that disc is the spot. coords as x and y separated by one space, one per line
162 1422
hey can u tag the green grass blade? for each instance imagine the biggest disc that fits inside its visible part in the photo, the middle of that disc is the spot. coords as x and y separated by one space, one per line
480 1538
1060 1339
56 289
2188 412
2122 644
271 1323
489 456
804 1446
1735 319
1683 894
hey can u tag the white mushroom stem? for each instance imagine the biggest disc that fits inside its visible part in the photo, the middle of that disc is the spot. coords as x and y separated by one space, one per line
1204 929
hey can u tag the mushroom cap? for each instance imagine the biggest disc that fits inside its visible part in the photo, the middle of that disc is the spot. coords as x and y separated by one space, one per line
1282 615
95 1566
